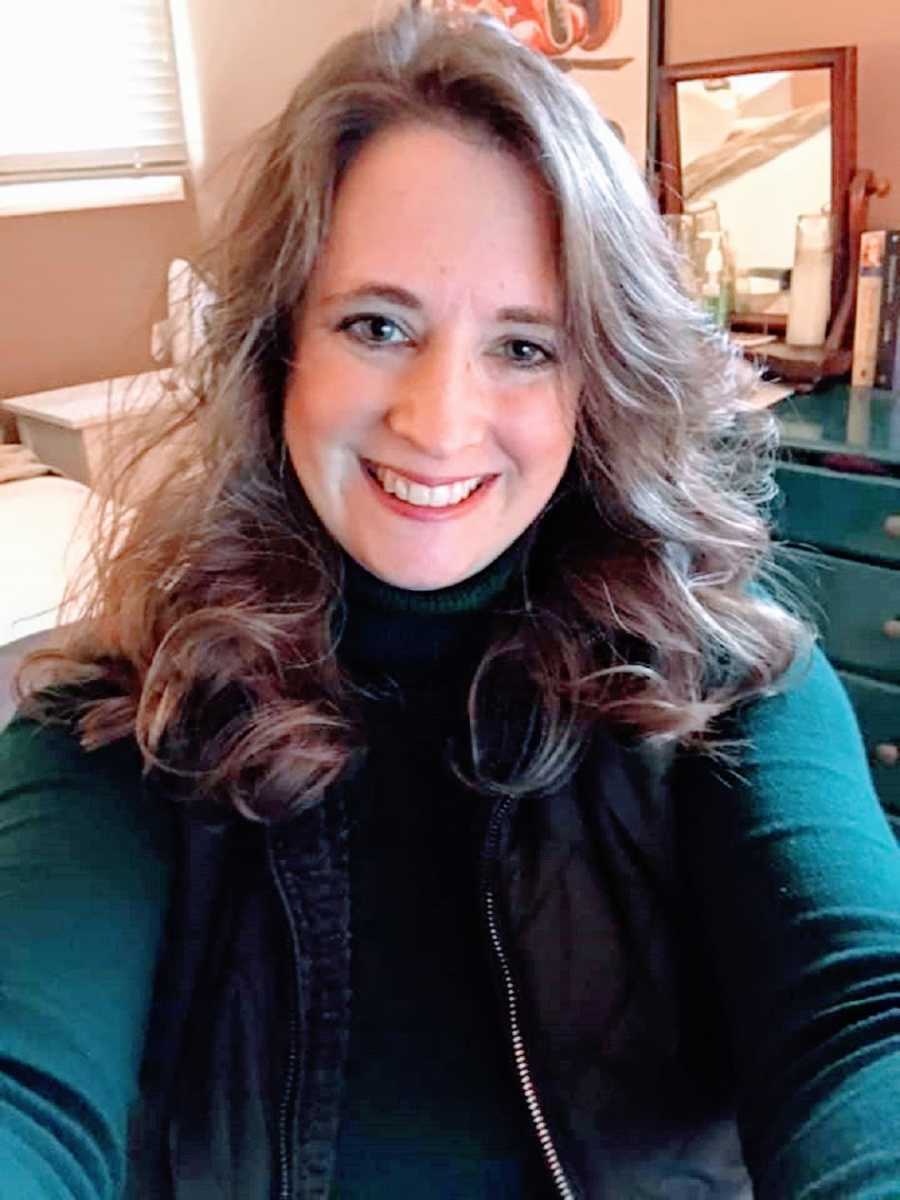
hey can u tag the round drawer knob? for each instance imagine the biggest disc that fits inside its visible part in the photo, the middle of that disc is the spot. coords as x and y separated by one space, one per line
892 525
891 629
887 753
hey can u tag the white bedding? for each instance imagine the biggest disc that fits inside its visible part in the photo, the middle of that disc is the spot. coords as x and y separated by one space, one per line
44 537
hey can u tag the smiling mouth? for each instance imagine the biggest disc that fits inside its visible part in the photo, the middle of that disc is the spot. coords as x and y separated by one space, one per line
420 495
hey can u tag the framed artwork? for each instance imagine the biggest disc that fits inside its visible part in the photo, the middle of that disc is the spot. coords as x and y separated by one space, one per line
611 48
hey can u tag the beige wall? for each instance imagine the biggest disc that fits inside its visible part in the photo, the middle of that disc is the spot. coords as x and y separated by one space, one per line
81 290
699 29
248 55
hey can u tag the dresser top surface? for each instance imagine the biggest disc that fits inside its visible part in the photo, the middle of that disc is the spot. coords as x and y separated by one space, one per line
861 423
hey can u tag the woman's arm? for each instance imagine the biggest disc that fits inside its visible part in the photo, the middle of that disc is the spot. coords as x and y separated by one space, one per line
796 877
83 887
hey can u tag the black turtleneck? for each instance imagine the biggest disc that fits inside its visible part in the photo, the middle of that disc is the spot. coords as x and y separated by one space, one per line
432 1106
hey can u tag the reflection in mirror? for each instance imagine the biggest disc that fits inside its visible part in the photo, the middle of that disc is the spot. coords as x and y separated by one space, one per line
759 146
844 421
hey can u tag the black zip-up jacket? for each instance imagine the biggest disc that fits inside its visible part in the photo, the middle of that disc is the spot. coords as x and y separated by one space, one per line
624 912
625 1094
671 946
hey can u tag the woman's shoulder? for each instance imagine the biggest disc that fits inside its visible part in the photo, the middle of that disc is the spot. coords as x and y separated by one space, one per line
31 749
801 756
808 712
51 786
85 874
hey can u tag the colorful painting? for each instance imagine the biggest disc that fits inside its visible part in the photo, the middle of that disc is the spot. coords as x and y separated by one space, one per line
551 27
604 45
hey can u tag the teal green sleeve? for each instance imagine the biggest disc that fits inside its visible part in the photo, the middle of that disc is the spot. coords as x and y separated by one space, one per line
796 879
83 890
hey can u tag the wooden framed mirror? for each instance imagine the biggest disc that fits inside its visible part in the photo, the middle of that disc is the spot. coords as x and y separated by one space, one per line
768 138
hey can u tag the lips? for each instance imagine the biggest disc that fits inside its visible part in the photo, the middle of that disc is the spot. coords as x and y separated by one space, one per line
428 480
420 512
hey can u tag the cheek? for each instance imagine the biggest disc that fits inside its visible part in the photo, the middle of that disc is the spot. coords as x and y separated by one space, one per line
540 436
324 403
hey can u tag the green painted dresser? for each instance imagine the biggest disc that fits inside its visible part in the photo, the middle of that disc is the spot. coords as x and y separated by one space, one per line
838 516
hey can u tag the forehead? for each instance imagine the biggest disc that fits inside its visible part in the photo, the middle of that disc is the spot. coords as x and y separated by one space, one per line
436 203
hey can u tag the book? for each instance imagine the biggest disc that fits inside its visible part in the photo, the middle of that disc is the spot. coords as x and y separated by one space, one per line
869 289
888 356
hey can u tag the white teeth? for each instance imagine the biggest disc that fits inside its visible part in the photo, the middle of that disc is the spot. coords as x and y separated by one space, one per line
441 496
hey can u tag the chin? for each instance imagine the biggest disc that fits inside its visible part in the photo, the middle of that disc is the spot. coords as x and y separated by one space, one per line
423 582
422 579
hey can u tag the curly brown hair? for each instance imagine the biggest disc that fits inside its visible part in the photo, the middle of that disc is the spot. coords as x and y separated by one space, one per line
648 596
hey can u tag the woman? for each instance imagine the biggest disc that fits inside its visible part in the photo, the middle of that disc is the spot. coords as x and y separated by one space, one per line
436 801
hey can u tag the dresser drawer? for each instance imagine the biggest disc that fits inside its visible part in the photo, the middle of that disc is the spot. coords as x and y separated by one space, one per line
877 708
860 624
852 514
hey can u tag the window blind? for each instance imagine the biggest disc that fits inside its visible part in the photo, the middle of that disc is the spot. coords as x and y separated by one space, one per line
87 88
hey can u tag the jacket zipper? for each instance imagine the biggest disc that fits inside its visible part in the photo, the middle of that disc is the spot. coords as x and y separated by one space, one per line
284 1157
532 1100
283 1154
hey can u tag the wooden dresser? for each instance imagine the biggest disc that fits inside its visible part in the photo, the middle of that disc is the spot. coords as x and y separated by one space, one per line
839 512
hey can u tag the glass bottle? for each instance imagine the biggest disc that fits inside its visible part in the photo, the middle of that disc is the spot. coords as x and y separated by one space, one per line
706 221
681 228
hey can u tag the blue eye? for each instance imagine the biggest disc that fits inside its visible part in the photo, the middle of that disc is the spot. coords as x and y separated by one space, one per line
372 329
528 354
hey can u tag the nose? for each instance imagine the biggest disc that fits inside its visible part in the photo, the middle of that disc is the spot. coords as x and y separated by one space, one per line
439 406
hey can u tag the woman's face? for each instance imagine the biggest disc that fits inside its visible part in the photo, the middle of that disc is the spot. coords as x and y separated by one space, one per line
429 360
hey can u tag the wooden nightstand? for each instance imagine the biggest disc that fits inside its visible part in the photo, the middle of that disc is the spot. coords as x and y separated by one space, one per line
75 429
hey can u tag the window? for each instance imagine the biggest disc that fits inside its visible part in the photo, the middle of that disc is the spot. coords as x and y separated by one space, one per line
88 89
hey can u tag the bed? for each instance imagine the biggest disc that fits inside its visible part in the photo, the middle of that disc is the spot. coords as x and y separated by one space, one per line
44 521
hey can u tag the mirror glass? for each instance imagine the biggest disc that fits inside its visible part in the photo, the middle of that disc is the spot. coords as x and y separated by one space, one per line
755 155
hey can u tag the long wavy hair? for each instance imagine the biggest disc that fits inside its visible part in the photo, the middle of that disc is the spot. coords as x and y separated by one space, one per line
650 599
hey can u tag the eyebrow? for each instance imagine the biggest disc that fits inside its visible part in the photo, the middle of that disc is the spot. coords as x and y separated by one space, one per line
519 314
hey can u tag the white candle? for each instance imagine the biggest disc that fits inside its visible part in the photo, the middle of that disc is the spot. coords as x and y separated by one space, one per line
810 305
